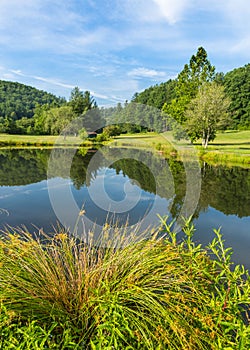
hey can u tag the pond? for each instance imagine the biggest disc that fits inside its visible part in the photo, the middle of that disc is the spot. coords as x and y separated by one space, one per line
40 188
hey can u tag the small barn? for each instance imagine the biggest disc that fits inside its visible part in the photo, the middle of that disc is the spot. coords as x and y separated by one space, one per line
92 134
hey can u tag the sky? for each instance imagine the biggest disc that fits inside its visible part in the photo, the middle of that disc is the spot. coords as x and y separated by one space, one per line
118 47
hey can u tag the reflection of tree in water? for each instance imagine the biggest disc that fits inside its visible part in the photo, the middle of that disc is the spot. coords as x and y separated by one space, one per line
225 189
79 169
222 188
25 166
22 167
149 171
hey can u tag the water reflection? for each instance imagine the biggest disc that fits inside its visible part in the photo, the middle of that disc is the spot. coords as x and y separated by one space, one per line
224 198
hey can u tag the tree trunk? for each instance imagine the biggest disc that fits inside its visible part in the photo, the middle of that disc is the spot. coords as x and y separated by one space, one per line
205 138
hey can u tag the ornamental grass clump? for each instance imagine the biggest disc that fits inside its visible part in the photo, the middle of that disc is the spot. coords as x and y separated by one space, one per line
128 293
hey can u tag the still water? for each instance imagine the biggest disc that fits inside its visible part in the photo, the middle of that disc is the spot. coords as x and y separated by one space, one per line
122 185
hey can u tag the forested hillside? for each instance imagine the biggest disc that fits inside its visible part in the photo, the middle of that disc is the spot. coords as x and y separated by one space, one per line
26 110
157 95
237 87
236 84
19 100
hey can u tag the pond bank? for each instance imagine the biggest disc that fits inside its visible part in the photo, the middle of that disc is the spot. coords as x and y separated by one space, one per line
229 148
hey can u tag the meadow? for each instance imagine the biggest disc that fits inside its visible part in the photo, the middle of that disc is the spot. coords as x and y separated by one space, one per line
230 147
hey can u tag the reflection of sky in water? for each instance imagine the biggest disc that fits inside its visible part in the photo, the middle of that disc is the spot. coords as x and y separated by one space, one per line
235 231
117 191
30 204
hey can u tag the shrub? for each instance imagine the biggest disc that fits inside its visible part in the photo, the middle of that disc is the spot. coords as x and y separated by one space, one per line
130 294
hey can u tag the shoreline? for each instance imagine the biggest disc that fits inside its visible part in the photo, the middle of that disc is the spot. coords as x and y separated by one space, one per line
222 152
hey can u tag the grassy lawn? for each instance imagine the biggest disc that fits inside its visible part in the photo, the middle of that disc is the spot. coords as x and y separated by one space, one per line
231 147
36 140
235 141
232 141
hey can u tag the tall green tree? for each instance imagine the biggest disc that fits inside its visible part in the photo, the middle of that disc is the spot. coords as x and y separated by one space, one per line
190 79
81 101
86 110
207 113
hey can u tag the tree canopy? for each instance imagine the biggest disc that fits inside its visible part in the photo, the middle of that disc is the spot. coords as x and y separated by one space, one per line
179 92
207 113
190 79
81 101
27 110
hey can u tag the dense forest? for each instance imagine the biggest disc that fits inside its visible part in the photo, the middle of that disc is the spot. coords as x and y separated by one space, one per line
156 95
196 105
237 87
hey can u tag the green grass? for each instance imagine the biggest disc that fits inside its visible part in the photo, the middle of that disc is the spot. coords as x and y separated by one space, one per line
30 140
60 293
231 147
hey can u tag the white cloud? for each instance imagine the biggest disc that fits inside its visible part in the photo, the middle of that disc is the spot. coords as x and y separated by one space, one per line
171 10
146 73
243 45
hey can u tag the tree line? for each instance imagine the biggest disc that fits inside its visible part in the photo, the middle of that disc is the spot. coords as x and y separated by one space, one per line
43 113
195 105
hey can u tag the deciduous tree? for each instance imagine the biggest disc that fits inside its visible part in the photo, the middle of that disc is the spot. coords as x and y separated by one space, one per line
207 113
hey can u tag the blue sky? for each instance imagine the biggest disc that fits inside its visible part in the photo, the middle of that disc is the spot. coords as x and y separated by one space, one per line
118 47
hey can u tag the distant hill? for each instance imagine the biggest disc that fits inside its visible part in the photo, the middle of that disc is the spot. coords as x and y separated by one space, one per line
156 95
19 100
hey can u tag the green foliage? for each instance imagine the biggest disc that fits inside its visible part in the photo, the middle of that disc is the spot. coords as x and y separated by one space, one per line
51 114
207 113
112 130
81 102
135 118
92 120
237 87
32 335
157 95
19 100
102 137
57 119
190 79
133 294
83 134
